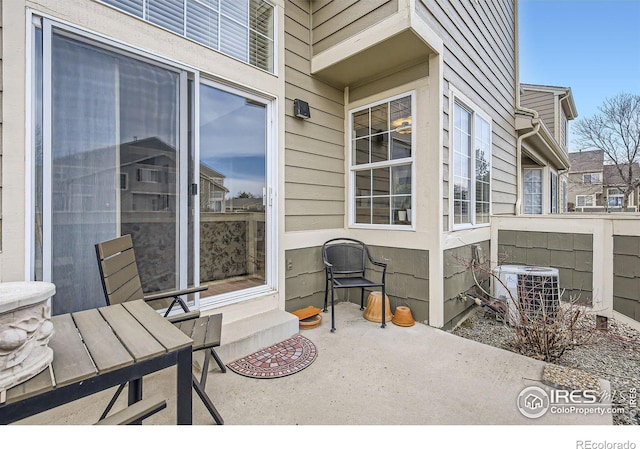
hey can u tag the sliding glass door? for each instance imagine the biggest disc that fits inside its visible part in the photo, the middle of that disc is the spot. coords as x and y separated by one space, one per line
126 143
233 186
109 166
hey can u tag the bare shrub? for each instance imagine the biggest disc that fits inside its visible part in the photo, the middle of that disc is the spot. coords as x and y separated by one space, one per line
547 334
540 328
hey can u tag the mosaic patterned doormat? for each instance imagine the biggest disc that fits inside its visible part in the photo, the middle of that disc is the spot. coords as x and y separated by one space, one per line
282 359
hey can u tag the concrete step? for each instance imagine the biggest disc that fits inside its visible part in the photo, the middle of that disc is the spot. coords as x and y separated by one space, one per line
245 336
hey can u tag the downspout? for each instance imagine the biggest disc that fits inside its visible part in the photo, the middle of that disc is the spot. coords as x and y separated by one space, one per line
535 119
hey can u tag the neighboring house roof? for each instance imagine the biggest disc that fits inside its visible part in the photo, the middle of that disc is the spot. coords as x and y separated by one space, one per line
586 161
220 187
611 176
210 172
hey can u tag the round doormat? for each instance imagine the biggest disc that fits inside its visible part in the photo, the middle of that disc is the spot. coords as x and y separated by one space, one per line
282 359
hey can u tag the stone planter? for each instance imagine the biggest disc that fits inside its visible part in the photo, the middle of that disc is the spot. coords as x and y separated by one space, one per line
25 330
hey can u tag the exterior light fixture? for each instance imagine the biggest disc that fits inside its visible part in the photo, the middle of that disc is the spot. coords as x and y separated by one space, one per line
301 109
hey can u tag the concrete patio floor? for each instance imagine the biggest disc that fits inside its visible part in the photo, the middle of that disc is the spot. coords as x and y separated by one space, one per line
363 375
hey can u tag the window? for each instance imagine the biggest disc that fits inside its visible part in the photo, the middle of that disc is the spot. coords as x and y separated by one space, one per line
471 167
553 188
591 178
564 130
532 190
585 200
242 29
382 163
615 197
124 181
565 195
148 175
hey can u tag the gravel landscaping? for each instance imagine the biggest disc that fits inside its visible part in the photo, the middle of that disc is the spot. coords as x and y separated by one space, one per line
613 355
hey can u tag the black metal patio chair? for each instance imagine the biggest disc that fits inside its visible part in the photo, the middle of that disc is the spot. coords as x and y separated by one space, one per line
121 282
345 262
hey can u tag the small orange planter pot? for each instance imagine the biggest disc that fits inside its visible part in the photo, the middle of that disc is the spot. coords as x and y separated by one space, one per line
374 308
311 322
403 317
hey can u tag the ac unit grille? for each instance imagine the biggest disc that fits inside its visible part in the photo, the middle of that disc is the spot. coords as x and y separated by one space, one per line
538 296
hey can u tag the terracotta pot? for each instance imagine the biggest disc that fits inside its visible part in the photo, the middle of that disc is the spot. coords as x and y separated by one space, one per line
311 322
374 308
403 317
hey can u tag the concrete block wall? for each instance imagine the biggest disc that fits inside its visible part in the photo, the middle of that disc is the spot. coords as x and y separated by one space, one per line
458 279
571 253
626 275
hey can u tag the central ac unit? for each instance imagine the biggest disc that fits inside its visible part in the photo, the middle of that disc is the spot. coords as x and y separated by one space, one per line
532 292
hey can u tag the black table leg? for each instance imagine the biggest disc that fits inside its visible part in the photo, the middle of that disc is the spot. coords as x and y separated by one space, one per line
183 386
135 394
135 390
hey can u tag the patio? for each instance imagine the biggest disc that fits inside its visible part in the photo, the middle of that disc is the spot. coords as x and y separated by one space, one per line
363 375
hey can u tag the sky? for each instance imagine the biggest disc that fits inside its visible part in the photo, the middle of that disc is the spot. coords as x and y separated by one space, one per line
591 46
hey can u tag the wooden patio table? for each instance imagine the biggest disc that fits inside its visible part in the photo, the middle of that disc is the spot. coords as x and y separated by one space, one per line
99 348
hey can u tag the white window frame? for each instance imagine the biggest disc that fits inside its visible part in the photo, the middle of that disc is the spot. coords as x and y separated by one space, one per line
593 200
388 163
459 98
614 194
565 194
541 193
554 175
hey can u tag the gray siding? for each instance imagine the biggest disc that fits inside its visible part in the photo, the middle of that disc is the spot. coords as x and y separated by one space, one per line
544 104
459 279
337 20
479 60
314 148
304 278
626 276
571 253
407 279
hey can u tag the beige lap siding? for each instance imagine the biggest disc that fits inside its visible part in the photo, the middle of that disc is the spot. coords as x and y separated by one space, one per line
314 148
